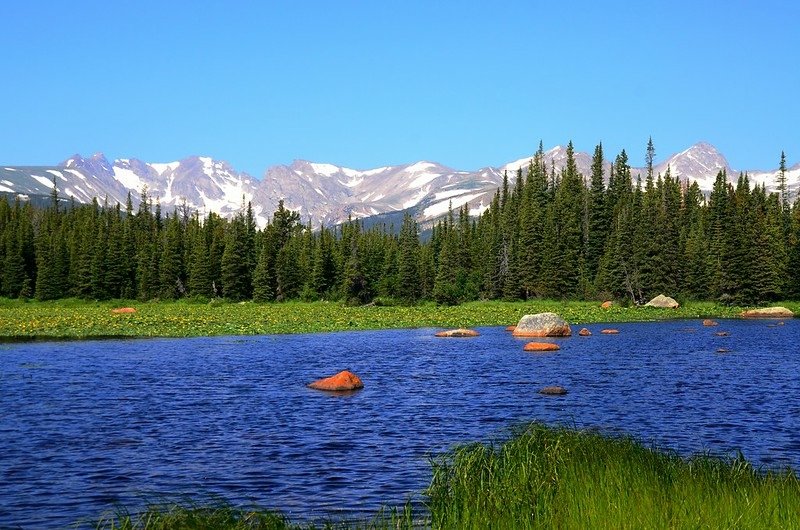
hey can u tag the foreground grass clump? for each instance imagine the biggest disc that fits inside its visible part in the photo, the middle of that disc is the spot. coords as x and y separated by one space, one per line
560 478
72 318
197 518
222 516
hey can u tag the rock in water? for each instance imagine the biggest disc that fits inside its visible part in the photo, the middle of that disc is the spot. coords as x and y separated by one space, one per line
542 325
768 312
553 391
710 323
342 381
458 333
541 346
609 331
584 332
663 302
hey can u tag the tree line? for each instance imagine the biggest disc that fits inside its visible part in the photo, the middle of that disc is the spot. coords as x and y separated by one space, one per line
546 234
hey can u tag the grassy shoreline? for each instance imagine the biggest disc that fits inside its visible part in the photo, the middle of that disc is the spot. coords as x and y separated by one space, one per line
549 477
77 319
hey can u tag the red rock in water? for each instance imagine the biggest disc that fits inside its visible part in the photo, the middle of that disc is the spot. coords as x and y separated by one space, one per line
511 328
458 333
553 391
584 332
342 381
120 310
610 331
607 304
541 346
709 323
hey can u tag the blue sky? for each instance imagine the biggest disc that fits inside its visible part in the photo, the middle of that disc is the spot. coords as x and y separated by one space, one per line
371 83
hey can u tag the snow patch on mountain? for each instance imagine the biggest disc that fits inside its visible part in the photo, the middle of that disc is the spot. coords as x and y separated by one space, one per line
413 201
163 168
441 208
127 178
44 181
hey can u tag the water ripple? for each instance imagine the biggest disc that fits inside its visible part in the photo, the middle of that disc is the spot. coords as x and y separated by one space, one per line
87 426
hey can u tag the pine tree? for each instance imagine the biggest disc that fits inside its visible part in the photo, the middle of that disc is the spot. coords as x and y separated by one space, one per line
236 280
407 260
598 219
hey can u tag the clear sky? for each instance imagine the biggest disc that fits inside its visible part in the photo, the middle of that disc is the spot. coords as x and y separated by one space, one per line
378 82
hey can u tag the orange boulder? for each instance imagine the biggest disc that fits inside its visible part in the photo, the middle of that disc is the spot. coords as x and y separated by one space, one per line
120 310
342 381
541 346
768 312
458 333
607 304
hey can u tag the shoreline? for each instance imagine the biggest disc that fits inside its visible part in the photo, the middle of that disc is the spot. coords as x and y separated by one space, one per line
71 319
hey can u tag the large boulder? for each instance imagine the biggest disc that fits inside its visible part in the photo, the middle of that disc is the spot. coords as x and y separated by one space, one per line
458 333
663 302
768 312
542 325
342 381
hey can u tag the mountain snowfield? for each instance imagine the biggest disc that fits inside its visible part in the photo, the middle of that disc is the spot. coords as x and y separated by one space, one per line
325 193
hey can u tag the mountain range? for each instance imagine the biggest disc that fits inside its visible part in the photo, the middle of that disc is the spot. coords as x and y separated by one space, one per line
324 193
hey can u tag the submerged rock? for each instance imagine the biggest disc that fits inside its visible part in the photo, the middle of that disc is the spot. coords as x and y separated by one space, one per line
542 325
343 381
768 312
458 333
722 333
511 328
584 332
122 310
610 331
709 323
541 346
723 350
663 302
554 390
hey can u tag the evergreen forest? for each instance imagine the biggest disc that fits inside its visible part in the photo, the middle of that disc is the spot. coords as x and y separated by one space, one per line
547 234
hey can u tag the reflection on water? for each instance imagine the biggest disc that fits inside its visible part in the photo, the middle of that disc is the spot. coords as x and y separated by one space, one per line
88 425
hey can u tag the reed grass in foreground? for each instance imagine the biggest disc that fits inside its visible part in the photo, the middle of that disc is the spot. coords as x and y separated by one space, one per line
71 319
545 477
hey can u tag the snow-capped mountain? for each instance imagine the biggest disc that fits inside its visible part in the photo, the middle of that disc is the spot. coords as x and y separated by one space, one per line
325 193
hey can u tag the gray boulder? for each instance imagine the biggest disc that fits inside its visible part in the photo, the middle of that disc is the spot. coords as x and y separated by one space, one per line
663 302
542 325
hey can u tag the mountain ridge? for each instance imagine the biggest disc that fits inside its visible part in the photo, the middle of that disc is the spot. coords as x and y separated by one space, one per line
326 193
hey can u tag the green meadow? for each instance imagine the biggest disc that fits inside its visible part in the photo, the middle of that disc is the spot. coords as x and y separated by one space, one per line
77 319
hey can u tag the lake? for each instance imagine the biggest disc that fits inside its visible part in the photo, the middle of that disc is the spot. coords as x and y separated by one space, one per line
88 425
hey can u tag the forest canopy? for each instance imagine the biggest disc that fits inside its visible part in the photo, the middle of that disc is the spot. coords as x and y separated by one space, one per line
546 234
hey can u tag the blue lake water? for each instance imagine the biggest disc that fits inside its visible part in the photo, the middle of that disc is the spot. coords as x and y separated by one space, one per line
86 426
